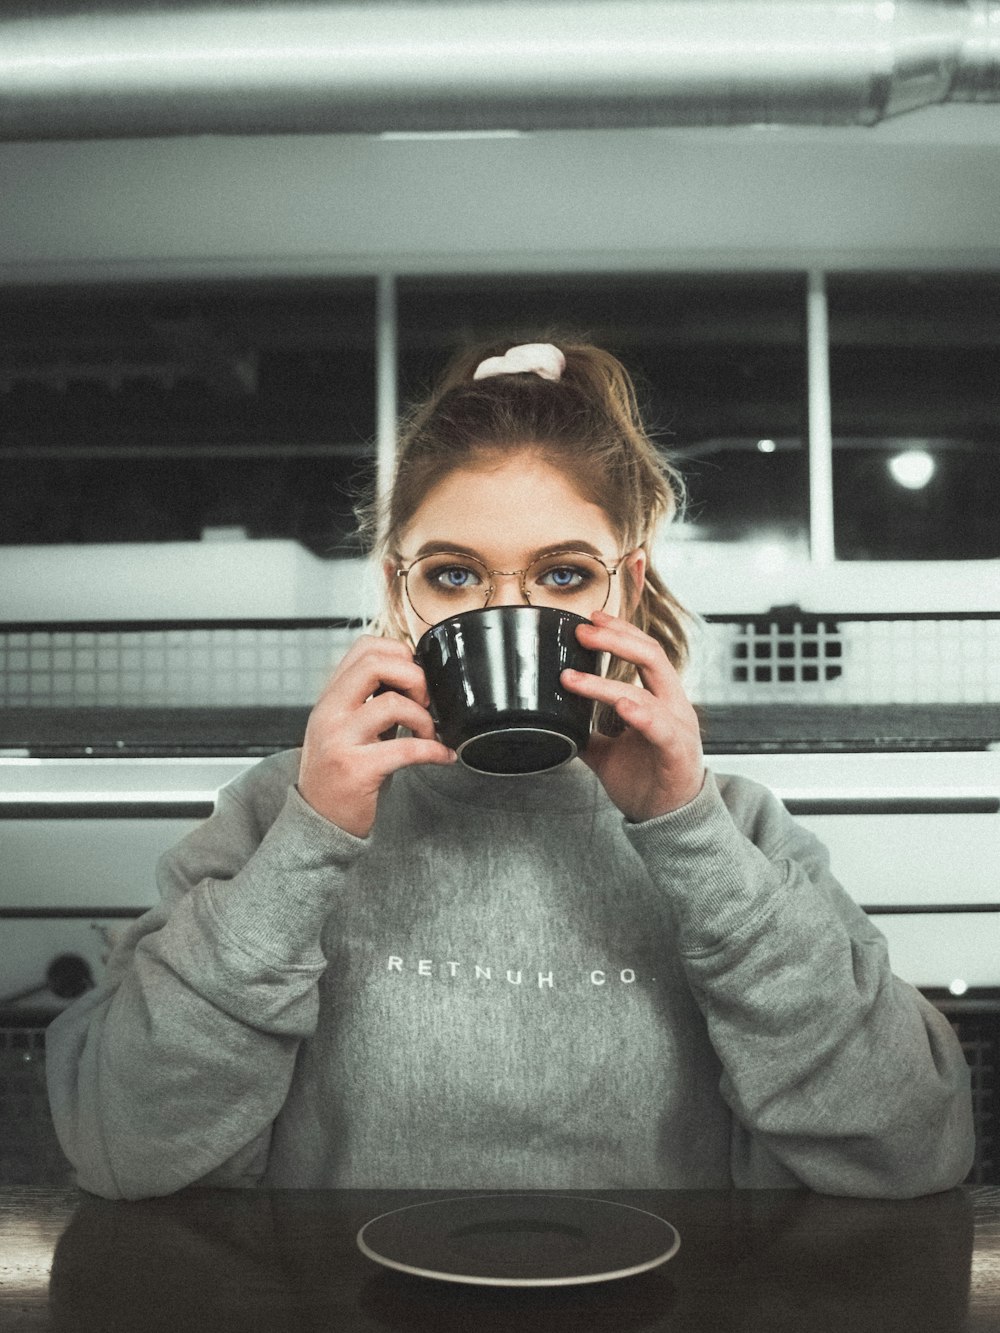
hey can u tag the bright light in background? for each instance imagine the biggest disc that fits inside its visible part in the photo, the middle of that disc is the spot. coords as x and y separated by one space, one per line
913 468
958 987
766 446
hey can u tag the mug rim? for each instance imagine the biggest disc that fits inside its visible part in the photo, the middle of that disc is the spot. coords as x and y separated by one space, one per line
496 610
526 773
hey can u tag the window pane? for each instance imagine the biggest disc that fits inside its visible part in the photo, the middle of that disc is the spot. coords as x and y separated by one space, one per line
719 360
162 414
915 383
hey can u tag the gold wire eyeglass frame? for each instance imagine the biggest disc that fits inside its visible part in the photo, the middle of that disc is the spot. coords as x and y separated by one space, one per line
403 572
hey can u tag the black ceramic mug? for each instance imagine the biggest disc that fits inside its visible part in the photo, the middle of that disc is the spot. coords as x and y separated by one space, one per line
496 697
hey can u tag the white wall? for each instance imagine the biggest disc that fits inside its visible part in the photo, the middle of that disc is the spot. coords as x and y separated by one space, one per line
921 190
259 580
277 579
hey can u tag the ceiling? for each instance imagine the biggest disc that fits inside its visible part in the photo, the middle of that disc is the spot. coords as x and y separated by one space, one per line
112 70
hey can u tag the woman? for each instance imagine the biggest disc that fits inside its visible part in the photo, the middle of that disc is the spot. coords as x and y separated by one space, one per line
374 968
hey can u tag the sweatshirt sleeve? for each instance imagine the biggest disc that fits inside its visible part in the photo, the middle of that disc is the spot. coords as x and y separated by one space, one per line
173 1069
840 1076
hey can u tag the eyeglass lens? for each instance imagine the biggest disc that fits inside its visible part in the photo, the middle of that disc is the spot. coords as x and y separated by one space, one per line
446 584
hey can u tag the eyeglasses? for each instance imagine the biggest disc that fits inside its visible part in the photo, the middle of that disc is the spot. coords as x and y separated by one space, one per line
447 583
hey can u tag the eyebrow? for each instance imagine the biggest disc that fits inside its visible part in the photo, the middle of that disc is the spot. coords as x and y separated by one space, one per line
438 548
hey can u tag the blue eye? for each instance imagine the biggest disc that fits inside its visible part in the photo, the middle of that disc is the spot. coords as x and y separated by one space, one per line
455 576
564 577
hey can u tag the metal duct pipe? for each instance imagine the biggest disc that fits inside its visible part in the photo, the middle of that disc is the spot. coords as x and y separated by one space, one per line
462 65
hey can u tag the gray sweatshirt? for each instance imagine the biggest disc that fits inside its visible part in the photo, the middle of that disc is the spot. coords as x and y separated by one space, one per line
506 985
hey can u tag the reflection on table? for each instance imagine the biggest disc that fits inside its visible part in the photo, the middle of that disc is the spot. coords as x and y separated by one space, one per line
263 1261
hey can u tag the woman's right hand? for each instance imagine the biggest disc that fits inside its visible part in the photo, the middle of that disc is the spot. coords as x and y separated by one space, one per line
344 758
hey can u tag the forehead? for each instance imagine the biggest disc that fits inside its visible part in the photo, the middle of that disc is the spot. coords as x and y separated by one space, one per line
521 505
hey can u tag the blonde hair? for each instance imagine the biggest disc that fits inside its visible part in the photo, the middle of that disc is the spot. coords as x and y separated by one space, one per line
587 424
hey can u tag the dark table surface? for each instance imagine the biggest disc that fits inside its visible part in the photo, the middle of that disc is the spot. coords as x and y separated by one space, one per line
95 732
263 1261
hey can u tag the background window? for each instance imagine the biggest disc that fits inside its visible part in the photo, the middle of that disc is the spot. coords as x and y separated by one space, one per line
720 364
170 414
915 386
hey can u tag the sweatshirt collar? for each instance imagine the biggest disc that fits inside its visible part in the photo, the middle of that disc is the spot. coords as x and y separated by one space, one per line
574 788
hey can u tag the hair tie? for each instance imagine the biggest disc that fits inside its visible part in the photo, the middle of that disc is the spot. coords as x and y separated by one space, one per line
540 359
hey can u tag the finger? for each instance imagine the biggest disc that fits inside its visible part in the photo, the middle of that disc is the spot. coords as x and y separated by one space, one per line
626 641
365 644
384 713
624 632
640 708
388 756
642 715
603 618
676 739
599 687
383 662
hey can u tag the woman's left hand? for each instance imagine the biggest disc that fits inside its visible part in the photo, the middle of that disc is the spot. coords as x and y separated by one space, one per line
656 764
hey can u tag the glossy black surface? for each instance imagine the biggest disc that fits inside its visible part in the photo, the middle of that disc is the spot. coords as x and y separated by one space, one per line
260 1261
496 697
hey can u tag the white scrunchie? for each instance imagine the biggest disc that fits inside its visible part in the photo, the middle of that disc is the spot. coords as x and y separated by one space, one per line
530 358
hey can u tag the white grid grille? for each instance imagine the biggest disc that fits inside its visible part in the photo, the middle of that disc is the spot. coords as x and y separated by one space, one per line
826 660
820 660
194 666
